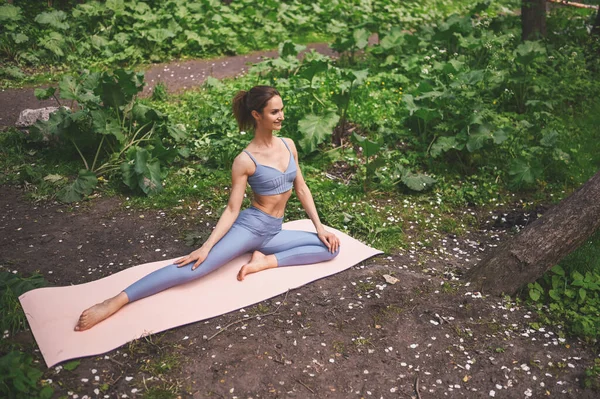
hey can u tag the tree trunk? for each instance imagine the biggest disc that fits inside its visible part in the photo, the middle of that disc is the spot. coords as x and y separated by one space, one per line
533 19
540 245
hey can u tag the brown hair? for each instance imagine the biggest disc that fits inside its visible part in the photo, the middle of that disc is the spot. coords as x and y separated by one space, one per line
254 99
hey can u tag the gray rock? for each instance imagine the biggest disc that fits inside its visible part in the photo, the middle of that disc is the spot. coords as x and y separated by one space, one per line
28 117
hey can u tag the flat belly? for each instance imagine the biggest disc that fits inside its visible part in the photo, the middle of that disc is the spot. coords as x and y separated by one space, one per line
274 205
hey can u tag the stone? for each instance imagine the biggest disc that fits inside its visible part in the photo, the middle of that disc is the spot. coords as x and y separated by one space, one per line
28 117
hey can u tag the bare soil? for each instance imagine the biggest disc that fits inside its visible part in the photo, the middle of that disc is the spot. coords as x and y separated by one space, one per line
351 335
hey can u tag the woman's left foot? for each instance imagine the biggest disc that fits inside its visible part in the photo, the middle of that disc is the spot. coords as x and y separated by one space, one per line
258 262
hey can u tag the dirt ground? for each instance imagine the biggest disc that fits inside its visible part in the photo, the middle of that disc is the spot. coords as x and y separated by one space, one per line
350 335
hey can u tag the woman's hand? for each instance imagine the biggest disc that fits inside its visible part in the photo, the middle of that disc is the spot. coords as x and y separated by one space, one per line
198 256
330 240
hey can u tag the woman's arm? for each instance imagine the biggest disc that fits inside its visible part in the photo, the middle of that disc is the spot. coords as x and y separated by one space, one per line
239 178
308 203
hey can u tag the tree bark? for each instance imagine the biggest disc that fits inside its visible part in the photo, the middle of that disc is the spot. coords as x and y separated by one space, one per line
540 245
533 19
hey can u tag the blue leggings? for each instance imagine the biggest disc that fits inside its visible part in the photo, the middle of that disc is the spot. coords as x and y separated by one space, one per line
252 230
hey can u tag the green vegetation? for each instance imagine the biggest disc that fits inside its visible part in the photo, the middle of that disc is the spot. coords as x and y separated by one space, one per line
569 295
20 378
128 33
447 111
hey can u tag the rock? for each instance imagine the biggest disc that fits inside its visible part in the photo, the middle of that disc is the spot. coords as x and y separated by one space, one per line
28 117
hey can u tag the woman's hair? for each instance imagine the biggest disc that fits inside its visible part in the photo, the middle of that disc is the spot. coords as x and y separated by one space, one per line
254 99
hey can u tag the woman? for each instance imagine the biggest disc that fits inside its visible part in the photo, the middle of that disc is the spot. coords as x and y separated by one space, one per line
270 165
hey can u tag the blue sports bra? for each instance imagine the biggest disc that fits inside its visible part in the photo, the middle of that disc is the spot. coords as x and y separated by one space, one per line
267 180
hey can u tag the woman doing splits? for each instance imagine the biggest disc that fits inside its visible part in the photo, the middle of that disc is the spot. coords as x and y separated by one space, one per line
270 165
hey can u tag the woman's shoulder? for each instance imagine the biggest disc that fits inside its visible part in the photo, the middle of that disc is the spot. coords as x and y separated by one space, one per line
289 142
243 163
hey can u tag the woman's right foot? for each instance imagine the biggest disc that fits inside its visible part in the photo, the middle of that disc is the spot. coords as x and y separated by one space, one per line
258 262
100 311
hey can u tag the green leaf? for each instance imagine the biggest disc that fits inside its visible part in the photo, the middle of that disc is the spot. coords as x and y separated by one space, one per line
395 38
54 42
577 276
550 138
119 88
54 18
311 69
84 185
290 49
481 134
105 123
528 51
69 88
316 129
142 172
557 269
534 295
72 365
522 172
554 295
20 38
417 181
443 144
361 38
369 147
99 42
160 35
144 114
53 178
178 132
44 94
118 6
9 13
409 103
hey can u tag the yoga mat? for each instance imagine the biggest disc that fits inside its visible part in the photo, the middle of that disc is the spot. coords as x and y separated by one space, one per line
52 312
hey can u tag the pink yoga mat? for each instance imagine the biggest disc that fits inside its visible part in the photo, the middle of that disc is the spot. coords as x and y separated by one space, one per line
53 312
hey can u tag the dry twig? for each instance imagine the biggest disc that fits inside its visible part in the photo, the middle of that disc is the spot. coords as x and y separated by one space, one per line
305 386
249 318
417 387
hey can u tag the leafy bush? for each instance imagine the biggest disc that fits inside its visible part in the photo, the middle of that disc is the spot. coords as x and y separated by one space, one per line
110 131
573 300
20 379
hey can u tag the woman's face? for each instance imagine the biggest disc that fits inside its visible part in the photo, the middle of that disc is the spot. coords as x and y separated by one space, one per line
272 115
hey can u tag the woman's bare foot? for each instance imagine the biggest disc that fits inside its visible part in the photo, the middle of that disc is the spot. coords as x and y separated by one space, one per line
100 311
258 262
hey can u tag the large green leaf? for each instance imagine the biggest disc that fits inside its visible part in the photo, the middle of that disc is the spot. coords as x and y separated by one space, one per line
105 123
369 147
54 42
528 51
522 172
290 49
118 6
395 38
119 88
54 19
316 129
9 13
417 181
160 35
44 94
84 185
443 144
361 38
313 68
143 114
178 132
142 172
